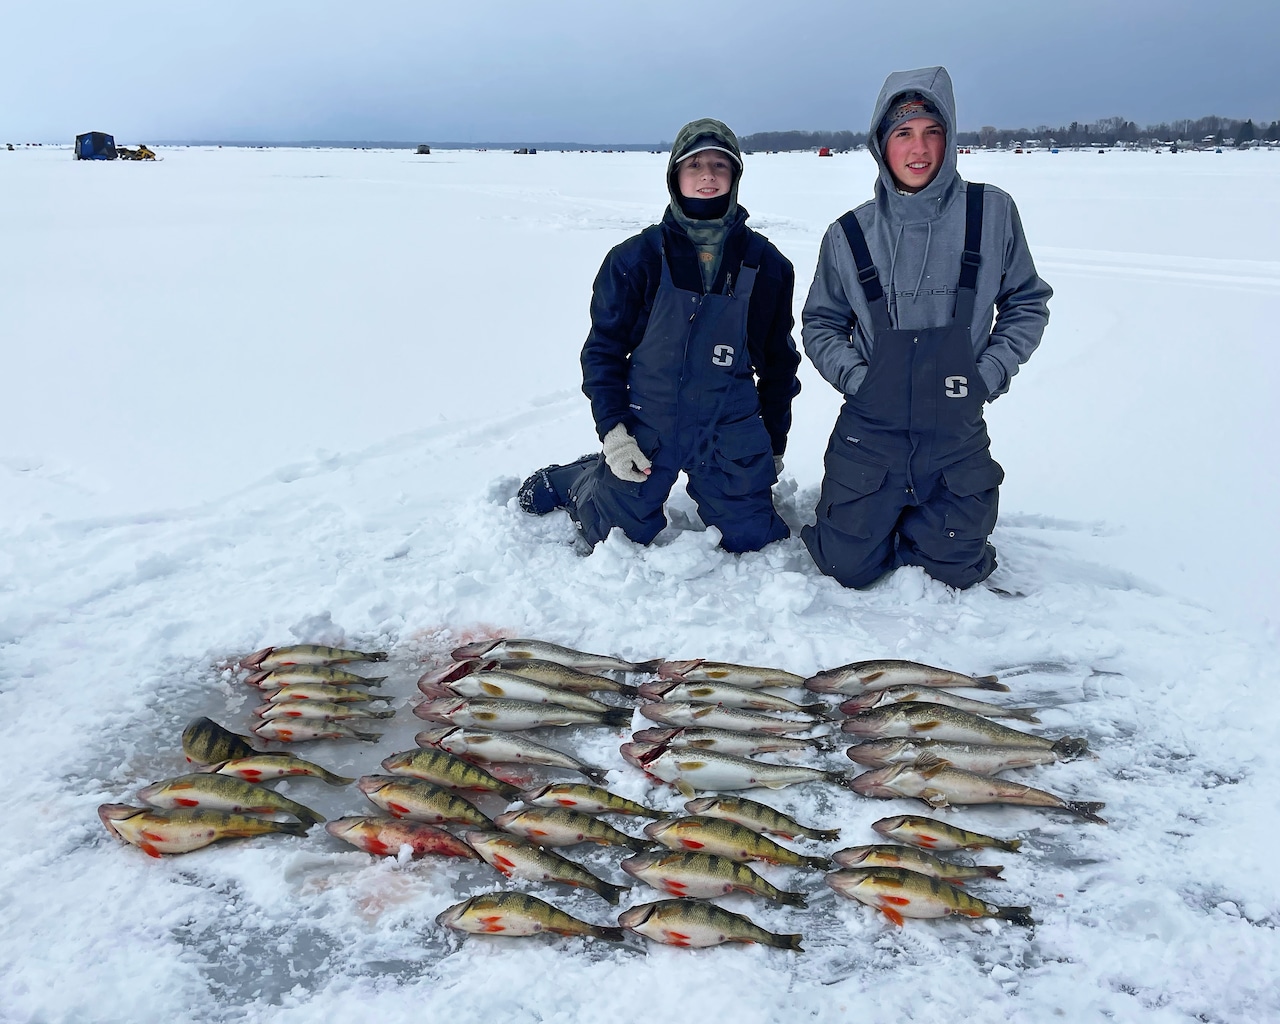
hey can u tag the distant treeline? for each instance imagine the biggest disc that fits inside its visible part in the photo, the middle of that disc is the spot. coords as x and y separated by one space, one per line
1107 132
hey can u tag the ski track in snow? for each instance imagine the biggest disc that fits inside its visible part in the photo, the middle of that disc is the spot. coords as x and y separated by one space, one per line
115 631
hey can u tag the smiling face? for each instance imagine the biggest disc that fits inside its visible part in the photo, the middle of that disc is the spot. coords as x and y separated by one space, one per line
705 175
913 152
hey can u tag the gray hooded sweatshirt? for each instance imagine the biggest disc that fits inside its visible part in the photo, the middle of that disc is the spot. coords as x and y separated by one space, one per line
916 241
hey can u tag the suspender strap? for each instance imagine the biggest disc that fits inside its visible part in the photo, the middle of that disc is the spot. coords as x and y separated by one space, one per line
867 276
971 259
755 251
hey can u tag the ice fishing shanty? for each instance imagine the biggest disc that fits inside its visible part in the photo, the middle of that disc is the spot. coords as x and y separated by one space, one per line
95 146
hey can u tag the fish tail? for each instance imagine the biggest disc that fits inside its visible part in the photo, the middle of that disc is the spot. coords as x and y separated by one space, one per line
990 683
645 666
840 779
256 658
817 863
373 681
1023 715
611 893
826 835
335 780
294 828
1011 845
639 845
823 743
375 656
627 690
785 942
609 934
792 899
367 737
597 775
990 870
818 710
307 817
619 718
1016 915
1070 747
390 713
1087 809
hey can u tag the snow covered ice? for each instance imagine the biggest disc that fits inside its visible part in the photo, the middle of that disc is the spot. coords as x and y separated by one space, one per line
265 396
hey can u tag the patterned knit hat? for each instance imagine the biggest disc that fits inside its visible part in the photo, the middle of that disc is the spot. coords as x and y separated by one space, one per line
904 108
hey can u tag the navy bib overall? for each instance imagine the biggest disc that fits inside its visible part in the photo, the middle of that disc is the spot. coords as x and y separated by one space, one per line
909 475
695 408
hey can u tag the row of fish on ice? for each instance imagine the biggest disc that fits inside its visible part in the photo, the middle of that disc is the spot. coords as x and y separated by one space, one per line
717 715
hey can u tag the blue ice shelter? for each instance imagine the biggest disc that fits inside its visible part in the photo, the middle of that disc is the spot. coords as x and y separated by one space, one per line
95 146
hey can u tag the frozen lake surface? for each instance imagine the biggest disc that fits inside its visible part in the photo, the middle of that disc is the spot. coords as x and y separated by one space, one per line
259 396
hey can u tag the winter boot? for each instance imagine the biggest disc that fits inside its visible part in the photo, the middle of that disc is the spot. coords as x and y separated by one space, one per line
548 488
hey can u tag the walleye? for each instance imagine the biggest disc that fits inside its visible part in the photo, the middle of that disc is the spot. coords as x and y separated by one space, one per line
898 893
924 694
717 716
588 800
514 715
679 691
939 722
301 730
939 785
512 649
511 856
758 817
914 859
727 839
931 834
983 758
509 686
518 914
690 770
270 658
551 673
445 769
204 741
385 837
332 675
267 767
402 796
704 876
324 710
223 793
727 741
502 748
749 676
861 676
321 691
563 827
187 829
694 924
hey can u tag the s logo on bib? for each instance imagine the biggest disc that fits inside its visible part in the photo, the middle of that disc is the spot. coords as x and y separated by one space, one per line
722 355
956 387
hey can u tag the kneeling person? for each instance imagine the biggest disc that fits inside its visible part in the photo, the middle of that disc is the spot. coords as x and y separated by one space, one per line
899 319
689 365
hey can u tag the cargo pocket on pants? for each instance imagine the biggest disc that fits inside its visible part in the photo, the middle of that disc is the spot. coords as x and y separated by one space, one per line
744 455
973 498
849 480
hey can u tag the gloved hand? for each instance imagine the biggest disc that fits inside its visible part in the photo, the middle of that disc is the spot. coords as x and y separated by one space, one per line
623 456
777 465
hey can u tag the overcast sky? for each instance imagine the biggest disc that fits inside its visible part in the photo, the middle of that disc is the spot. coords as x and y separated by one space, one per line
601 71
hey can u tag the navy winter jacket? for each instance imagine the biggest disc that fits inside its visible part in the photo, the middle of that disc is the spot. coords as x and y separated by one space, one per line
622 298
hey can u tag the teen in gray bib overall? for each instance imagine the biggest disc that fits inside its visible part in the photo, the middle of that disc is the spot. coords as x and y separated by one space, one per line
899 318
689 367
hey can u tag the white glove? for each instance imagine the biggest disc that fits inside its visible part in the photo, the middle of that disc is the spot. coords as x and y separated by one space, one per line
623 456
777 465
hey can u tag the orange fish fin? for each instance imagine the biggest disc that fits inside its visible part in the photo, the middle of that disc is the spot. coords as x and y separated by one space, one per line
892 915
149 850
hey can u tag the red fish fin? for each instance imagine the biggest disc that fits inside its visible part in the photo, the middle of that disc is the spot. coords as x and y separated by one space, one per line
892 915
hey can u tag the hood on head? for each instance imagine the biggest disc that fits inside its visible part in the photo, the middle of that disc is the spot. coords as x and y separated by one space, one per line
934 84
703 133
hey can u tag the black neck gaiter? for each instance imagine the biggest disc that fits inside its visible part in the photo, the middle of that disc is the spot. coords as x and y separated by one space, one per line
705 209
